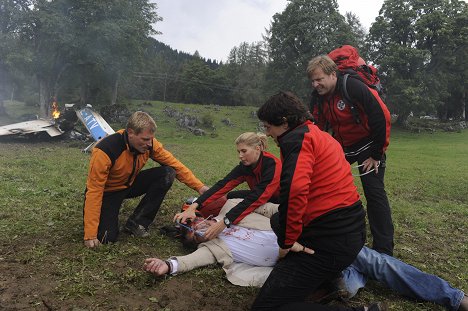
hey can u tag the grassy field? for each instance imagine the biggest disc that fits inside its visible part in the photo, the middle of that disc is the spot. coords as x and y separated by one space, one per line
44 265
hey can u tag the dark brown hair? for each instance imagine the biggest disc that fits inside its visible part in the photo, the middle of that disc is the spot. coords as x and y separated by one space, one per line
284 107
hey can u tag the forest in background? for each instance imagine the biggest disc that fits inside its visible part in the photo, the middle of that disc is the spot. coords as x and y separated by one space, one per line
106 52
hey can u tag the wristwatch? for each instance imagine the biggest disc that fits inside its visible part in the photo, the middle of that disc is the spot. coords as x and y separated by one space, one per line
227 222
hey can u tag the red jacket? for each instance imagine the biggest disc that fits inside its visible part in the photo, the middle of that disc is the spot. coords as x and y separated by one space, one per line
263 180
375 117
315 180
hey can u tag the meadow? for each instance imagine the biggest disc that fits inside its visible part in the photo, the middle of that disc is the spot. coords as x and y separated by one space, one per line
44 265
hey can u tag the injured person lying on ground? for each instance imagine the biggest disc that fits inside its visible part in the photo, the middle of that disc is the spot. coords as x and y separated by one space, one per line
248 251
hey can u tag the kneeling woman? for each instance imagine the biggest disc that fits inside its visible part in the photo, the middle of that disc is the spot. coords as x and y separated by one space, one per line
260 169
319 208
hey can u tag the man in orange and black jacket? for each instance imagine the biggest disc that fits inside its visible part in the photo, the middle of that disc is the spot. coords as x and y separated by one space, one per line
115 174
363 130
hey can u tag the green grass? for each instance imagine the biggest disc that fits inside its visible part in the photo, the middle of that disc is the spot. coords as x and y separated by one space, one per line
44 263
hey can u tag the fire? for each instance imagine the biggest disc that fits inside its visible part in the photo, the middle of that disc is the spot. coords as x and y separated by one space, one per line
55 110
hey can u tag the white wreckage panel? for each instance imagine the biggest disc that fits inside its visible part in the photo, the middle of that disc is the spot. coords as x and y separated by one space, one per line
30 127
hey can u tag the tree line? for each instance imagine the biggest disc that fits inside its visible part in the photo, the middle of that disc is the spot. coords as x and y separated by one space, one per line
104 52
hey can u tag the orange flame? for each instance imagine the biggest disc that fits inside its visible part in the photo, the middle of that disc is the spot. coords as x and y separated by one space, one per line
55 110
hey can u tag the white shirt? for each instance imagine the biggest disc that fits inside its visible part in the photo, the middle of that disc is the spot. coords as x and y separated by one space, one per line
251 246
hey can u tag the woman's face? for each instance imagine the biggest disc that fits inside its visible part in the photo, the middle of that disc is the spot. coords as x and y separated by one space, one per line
274 131
248 155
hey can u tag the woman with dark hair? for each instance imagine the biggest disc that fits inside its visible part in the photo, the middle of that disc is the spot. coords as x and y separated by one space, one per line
319 208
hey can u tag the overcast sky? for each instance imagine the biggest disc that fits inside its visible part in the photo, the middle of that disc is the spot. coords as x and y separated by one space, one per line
214 27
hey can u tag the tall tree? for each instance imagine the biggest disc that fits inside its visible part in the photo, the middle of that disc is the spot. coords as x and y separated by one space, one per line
99 40
113 35
358 31
11 54
415 42
246 68
306 28
197 81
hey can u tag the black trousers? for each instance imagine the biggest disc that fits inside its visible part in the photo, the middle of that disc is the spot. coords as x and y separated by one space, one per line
298 274
378 208
154 183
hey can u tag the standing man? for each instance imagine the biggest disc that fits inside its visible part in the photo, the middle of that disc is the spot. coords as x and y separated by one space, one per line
115 174
363 134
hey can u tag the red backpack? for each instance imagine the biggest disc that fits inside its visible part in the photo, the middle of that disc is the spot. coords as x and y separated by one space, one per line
347 58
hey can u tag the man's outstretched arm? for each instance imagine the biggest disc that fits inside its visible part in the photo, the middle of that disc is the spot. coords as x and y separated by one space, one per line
199 258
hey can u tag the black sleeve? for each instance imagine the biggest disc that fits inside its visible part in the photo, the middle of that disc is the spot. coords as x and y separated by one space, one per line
260 194
223 186
360 94
294 188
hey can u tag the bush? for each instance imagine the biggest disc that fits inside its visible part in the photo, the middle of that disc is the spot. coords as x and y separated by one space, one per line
207 120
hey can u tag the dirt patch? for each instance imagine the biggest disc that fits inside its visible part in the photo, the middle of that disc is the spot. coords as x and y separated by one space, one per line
54 281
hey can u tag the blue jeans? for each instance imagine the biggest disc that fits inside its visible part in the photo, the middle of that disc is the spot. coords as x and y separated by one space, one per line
401 277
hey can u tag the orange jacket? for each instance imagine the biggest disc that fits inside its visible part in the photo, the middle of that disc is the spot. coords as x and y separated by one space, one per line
113 166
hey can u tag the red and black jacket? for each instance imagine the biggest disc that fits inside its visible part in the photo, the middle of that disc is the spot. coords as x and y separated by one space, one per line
263 180
374 115
316 182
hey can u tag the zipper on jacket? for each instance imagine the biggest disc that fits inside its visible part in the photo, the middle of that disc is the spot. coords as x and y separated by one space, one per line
333 115
135 158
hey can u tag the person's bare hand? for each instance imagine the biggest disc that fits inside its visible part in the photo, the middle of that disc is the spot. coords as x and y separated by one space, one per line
203 189
295 248
301 248
155 266
215 229
92 243
370 164
189 213
283 252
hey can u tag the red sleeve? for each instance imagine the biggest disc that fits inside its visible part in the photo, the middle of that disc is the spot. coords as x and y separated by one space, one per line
261 192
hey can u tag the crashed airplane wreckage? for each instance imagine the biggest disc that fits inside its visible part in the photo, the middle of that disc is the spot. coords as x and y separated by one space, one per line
62 123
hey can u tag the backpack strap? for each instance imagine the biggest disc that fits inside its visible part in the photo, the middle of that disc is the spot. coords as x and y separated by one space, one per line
349 101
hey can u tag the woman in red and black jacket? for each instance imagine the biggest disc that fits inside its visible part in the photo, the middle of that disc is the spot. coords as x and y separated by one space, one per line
260 169
319 208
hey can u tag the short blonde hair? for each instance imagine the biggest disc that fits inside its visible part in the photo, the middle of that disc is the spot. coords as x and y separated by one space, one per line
323 62
252 139
140 121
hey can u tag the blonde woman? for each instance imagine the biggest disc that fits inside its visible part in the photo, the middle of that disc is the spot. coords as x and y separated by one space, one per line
258 168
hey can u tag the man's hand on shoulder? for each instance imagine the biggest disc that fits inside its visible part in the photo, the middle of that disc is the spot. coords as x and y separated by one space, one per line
92 243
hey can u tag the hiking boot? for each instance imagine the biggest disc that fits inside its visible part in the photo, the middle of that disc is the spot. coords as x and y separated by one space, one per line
331 290
138 231
377 306
341 289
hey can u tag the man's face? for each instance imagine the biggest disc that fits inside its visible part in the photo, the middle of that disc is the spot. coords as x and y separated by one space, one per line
274 131
141 142
323 83
199 226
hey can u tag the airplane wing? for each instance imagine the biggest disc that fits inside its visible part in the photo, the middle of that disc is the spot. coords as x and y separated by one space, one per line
31 127
95 123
